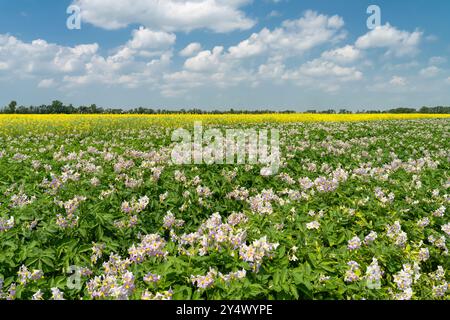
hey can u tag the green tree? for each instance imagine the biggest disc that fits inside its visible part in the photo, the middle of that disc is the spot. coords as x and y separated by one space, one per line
57 107
12 107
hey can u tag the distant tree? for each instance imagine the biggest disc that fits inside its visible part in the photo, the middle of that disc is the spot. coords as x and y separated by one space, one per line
83 110
402 110
22 110
12 107
424 109
70 109
57 107
93 109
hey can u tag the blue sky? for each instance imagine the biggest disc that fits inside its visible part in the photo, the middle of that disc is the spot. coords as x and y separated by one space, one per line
278 54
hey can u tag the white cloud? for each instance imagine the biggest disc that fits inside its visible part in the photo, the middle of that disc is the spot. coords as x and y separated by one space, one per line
148 39
191 49
224 68
399 43
274 70
326 69
40 58
430 72
322 76
145 59
345 54
46 83
131 71
293 38
307 52
74 59
168 15
207 60
138 62
180 82
398 81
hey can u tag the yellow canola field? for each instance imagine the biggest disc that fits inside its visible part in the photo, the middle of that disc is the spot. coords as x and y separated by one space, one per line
46 122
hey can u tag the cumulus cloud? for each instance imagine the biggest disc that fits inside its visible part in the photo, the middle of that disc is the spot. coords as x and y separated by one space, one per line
308 51
273 70
208 68
322 75
126 68
345 54
206 60
398 81
73 59
293 37
191 49
168 15
319 68
136 63
130 73
228 67
40 57
397 42
144 38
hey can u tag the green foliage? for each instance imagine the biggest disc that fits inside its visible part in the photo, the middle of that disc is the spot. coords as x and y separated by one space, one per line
308 263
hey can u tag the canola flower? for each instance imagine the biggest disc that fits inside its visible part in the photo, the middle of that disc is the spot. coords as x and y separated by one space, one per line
92 121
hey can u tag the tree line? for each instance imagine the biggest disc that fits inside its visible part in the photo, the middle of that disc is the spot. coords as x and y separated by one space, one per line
57 107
